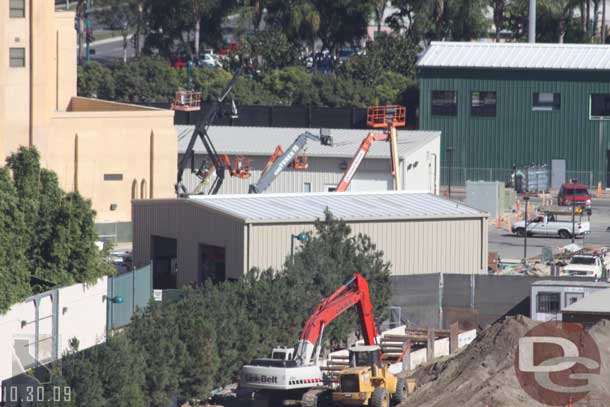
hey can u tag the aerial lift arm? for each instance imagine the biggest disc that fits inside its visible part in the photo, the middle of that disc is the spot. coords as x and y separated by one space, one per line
354 292
201 131
363 150
287 157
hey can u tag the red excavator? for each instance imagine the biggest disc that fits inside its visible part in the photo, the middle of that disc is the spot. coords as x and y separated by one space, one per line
294 375
378 117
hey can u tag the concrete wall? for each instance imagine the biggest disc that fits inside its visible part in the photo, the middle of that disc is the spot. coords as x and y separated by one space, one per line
411 246
80 313
190 224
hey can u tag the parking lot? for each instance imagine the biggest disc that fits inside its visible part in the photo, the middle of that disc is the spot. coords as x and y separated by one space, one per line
511 246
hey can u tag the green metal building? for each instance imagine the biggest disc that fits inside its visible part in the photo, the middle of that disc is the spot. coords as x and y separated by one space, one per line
504 104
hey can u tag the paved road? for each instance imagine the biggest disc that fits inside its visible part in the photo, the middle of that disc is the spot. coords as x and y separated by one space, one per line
510 246
109 51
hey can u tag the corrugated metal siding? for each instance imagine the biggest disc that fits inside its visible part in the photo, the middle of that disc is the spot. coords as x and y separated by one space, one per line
191 225
518 135
321 172
412 247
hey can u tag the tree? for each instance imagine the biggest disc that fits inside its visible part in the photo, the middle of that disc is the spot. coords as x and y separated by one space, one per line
273 49
498 6
14 272
380 7
122 15
96 81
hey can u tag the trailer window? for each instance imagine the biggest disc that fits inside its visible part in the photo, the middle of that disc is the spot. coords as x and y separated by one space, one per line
483 104
546 101
444 103
549 303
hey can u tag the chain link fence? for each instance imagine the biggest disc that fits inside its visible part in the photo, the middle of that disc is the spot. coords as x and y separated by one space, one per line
459 175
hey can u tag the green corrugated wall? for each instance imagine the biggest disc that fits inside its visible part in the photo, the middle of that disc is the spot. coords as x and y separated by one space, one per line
519 135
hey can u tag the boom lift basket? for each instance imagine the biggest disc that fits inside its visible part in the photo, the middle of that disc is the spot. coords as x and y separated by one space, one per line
386 116
187 101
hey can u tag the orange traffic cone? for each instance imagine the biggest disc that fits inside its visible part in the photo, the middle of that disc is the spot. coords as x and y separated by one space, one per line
518 206
508 227
598 193
499 222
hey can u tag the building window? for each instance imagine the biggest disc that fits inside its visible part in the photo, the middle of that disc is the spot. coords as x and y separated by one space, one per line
546 101
571 298
113 177
483 104
330 188
549 303
17 8
143 190
134 189
600 106
17 57
444 103
307 187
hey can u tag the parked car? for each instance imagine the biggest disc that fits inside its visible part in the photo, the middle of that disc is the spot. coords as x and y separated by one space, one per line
576 194
210 61
178 61
548 225
586 265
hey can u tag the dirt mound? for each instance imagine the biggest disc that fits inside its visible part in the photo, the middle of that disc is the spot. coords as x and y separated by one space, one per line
483 373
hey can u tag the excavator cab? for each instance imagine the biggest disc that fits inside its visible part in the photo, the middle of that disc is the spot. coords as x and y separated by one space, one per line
365 356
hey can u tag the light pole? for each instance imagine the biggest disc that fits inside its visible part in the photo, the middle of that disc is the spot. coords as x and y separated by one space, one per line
450 160
111 300
573 208
301 237
527 200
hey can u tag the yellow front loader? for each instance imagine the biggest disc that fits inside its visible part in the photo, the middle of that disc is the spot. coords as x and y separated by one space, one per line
367 382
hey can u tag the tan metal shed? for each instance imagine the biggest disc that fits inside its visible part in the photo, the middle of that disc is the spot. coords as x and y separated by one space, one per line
418 232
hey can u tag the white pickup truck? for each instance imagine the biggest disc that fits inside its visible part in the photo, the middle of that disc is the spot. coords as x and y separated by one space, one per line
548 226
586 265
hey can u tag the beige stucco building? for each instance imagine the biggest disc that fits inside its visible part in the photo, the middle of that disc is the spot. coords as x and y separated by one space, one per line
110 152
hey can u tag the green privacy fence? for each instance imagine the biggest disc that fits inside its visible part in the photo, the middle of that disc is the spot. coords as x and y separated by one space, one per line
135 290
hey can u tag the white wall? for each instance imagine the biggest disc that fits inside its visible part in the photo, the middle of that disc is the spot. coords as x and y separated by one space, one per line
81 314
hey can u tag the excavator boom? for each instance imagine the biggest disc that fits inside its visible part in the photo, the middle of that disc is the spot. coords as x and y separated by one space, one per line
355 292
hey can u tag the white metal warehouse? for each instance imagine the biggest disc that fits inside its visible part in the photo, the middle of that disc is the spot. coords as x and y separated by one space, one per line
418 151
222 237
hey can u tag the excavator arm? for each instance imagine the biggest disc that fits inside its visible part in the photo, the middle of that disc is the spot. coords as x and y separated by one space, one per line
354 292
201 132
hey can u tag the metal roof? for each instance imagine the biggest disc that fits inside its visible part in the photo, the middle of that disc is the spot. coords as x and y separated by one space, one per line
261 141
272 208
597 302
516 56
572 283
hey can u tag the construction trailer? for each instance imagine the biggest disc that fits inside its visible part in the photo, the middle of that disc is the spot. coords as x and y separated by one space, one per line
418 154
549 298
221 237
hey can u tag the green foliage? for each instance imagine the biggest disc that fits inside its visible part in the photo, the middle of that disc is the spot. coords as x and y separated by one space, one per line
145 79
96 81
273 48
47 234
185 349
14 271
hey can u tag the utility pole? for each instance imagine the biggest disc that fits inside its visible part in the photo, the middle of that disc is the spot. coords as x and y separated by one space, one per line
88 31
526 209
450 159
573 209
532 22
